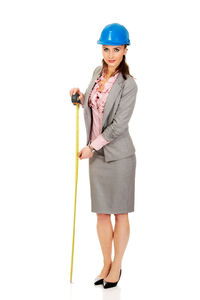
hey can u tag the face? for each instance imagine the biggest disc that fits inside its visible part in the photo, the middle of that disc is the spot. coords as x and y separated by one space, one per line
113 54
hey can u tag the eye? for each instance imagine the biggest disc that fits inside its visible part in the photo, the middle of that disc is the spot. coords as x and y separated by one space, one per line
117 49
105 49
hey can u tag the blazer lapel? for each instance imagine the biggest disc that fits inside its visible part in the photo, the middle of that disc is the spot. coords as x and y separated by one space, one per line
90 87
112 95
114 91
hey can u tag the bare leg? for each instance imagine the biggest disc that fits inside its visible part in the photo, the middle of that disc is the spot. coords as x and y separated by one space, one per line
121 236
105 235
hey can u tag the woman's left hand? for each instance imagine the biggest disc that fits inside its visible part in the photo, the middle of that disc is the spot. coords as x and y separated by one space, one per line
85 153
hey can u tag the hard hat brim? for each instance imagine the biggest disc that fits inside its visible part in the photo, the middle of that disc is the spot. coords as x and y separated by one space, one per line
112 44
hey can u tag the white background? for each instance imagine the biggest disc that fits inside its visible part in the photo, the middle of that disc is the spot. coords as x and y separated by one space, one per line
48 47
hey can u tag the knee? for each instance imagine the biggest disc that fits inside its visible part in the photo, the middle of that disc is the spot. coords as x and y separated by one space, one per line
119 217
103 217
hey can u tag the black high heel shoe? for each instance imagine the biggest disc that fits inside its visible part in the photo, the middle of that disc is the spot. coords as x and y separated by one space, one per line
98 280
107 284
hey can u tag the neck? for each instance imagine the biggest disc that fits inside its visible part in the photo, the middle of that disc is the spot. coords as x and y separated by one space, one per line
110 71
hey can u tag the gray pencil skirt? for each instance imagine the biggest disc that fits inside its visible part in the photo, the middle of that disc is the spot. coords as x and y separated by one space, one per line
112 184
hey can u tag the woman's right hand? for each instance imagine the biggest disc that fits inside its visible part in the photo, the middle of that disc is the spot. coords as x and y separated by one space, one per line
73 91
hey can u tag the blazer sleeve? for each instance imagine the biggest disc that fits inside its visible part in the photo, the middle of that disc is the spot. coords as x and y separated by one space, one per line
124 111
99 142
82 102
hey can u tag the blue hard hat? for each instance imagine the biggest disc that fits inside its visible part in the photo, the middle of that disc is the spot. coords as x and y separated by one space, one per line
114 34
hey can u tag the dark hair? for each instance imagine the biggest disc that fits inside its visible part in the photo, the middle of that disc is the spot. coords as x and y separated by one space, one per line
123 67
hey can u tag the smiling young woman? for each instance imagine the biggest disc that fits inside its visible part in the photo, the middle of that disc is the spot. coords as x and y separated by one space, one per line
114 59
108 105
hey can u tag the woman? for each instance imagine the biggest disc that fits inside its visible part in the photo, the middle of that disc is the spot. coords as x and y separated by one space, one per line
108 105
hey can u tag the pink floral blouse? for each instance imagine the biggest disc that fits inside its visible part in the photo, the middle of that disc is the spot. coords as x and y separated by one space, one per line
96 101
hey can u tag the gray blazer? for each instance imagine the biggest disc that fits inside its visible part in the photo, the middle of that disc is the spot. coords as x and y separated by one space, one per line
118 109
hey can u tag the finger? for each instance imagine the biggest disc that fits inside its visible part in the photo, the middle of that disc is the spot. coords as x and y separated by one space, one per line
81 96
76 90
73 91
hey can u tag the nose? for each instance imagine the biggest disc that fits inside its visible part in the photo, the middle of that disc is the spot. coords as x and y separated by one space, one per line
110 56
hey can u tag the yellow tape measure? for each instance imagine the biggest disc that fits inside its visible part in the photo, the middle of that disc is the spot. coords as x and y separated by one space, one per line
76 102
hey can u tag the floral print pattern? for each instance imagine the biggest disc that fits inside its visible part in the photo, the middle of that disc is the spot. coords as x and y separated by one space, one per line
96 101
98 98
